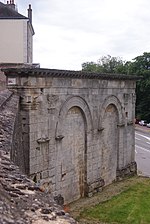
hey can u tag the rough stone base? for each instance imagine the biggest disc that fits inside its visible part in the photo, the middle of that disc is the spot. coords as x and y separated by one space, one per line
95 187
129 170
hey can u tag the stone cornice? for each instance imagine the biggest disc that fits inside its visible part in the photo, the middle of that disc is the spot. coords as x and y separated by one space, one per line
41 72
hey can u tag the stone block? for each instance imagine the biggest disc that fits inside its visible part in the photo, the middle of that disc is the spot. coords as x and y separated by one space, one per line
45 174
99 183
33 169
133 167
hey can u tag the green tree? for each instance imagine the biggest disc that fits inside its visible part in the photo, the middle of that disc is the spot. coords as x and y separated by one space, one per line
106 64
111 64
91 67
140 66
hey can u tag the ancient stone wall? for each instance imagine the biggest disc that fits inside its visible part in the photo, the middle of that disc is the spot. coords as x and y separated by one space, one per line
12 65
2 81
76 130
22 200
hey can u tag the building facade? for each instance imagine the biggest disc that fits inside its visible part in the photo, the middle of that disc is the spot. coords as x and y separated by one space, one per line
16 44
74 131
16 39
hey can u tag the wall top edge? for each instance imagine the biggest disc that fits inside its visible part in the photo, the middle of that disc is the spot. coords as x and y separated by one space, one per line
42 72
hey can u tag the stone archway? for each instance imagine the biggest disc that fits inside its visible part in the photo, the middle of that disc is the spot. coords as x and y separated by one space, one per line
73 155
110 144
71 137
110 122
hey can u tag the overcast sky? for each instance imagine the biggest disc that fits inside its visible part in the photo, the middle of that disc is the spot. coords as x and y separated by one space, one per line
70 32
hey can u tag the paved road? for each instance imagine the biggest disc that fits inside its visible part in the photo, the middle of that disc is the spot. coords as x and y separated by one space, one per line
142 151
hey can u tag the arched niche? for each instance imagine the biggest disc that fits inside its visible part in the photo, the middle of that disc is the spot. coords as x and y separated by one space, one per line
116 102
74 124
74 101
111 126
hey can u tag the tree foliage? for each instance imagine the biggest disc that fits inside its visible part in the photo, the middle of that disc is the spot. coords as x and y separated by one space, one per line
139 66
106 64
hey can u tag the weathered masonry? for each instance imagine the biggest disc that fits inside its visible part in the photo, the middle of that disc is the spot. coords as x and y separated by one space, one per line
74 131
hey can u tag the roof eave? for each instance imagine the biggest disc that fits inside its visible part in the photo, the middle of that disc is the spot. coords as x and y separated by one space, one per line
68 74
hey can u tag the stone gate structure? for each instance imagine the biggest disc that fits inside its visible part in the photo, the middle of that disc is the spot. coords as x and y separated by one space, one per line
74 130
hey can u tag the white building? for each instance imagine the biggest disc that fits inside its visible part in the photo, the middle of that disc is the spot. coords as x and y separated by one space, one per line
16 34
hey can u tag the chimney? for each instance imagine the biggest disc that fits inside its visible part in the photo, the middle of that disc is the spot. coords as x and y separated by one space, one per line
30 14
11 4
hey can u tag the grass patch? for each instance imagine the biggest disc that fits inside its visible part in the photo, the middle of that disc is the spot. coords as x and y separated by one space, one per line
132 206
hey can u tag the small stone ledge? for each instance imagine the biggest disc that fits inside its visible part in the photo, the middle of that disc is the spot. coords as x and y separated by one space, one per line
59 137
121 124
100 129
130 123
43 140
